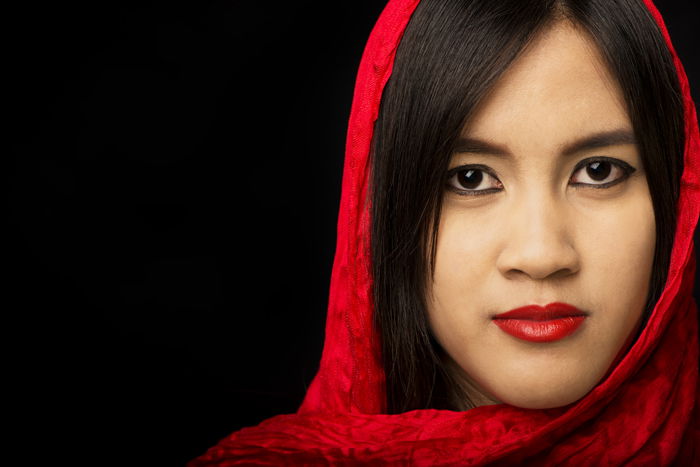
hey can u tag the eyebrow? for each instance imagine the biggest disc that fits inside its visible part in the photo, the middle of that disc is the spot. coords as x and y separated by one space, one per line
594 141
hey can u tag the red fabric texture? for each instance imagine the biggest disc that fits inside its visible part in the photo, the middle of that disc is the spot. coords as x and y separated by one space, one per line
645 412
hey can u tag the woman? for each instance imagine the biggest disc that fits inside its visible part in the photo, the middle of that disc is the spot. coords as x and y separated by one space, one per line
514 266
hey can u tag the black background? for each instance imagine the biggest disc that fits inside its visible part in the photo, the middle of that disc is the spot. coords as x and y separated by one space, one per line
173 189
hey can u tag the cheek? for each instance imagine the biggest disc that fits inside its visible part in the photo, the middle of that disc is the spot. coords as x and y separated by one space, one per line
459 262
464 268
618 245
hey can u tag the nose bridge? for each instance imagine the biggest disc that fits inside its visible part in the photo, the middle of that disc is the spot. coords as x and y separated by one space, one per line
538 239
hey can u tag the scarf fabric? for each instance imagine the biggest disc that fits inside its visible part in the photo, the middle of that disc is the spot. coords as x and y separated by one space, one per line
645 412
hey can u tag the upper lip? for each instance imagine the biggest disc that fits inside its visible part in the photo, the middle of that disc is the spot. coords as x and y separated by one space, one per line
539 313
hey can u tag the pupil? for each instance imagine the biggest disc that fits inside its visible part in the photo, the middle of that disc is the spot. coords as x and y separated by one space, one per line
470 178
598 170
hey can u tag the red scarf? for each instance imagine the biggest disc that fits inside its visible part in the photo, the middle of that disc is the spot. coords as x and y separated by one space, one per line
646 412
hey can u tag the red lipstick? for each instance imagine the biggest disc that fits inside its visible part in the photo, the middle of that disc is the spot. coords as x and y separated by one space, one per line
541 324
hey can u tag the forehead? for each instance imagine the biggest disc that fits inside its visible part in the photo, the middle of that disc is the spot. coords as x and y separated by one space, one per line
557 89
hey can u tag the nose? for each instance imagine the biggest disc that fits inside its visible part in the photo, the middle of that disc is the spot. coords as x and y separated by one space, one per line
537 240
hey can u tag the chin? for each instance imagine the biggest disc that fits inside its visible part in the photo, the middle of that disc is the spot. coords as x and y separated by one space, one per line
543 404
542 401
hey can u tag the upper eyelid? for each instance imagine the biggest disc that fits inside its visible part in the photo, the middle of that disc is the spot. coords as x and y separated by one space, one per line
626 167
485 168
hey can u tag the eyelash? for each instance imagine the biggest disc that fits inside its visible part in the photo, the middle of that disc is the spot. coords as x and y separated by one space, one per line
627 170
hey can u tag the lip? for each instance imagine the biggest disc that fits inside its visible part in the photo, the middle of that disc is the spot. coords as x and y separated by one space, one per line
535 323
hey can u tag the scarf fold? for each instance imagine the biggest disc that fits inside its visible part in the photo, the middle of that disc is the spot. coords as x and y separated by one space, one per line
645 412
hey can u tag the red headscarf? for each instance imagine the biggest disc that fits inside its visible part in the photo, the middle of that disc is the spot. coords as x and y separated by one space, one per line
646 412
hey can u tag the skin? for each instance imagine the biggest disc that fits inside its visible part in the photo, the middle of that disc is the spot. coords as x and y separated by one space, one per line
539 238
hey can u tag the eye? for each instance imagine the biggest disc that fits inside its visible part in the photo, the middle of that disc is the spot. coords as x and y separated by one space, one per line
601 172
597 172
472 180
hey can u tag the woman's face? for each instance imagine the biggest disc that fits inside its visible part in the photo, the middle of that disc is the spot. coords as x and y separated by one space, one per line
537 222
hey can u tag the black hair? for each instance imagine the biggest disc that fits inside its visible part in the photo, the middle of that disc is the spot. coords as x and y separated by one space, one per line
450 55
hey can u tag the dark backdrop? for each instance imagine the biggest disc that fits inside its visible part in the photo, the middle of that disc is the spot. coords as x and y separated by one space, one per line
173 189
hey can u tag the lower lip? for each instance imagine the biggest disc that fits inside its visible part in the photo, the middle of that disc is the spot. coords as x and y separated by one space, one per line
540 331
